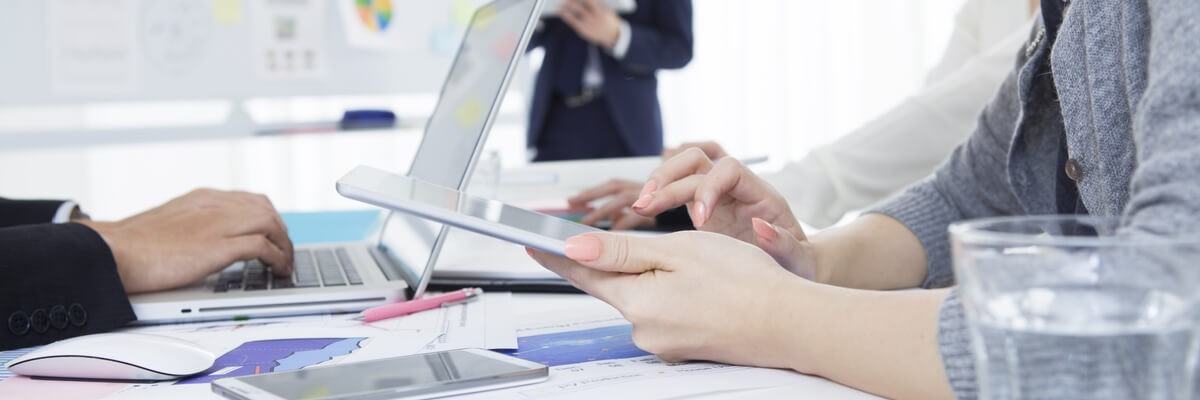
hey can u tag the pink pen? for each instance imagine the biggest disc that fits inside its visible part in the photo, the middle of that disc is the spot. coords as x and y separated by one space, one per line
428 303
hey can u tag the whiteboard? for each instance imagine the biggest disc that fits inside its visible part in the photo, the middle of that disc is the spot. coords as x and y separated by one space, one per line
66 52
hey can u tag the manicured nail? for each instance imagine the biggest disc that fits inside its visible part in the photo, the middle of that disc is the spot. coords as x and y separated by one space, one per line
650 187
764 229
700 217
529 251
583 248
643 201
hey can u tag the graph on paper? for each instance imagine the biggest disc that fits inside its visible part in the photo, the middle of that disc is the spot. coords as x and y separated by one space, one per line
263 356
573 347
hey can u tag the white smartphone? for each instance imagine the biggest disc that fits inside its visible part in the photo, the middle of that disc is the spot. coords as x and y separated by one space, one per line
448 206
419 376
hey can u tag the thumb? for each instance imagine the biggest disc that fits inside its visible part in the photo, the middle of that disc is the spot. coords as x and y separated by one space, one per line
610 252
788 250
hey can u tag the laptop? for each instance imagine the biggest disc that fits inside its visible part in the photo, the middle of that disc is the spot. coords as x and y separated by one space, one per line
397 263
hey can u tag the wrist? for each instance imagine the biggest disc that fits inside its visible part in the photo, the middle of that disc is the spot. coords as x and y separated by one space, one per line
797 322
105 230
609 40
77 215
824 258
109 231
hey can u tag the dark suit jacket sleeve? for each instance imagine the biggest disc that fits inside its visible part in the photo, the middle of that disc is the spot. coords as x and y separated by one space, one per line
57 281
666 43
26 212
537 39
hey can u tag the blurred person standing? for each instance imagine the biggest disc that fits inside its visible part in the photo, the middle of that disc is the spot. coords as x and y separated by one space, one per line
596 95
899 147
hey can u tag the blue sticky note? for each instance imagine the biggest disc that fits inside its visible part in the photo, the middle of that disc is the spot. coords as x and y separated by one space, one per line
331 226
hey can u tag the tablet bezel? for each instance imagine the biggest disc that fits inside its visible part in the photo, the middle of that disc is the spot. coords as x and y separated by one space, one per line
396 192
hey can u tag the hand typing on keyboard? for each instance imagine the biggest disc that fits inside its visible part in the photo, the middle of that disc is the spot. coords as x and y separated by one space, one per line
313 268
194 235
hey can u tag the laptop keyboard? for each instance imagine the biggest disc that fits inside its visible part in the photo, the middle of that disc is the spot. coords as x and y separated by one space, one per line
313 268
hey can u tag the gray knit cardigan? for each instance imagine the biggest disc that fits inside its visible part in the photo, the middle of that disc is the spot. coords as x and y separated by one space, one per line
1126 89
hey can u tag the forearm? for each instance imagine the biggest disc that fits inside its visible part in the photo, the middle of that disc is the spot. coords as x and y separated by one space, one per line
880 342
873 252
63 267
665 43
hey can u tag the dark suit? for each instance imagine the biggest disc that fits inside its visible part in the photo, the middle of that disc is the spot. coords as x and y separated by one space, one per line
56 280
625 121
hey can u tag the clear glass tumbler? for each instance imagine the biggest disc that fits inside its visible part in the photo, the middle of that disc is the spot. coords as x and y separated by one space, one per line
485 181
1074 307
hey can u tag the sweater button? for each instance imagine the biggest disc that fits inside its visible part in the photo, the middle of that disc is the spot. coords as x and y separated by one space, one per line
1074 171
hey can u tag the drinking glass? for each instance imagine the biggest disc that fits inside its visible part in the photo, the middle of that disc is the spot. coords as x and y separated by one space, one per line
1078 307
485 181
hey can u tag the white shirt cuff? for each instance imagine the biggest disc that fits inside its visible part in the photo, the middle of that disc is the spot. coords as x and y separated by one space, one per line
623 38
63 215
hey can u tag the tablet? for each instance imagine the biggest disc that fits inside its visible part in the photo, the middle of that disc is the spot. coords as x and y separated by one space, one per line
452 207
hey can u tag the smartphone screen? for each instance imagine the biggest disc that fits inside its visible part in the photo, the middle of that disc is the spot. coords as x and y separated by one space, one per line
417 375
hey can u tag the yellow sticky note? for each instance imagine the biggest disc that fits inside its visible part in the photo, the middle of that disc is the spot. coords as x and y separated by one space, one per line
227 11
469 114
486 15
461 11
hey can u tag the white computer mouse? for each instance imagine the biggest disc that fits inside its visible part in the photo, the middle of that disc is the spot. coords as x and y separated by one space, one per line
115 356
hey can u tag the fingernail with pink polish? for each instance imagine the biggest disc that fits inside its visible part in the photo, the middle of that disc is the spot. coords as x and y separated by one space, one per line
582 248
650 187
764 229
700 216
643 201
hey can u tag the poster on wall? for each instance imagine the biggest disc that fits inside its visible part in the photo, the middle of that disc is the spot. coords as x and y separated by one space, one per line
92 47
289 39
384 25
175 35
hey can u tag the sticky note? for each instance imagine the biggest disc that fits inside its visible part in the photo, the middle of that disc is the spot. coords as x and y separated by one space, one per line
227 11
461 12
469 113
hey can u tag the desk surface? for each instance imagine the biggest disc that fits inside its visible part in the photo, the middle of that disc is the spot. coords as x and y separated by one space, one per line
736 383
567 178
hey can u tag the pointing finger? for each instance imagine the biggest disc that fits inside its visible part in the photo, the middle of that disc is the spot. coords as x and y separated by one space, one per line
689 162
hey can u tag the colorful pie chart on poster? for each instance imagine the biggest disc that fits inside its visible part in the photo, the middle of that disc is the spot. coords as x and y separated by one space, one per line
376 15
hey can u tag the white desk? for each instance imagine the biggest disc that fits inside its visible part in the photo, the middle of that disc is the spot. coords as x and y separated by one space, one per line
604 379
568 177
564 178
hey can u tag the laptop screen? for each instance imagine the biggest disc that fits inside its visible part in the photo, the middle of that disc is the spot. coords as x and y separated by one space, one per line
470 98
472 92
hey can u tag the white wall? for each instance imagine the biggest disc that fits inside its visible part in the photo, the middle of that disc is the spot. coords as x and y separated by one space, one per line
769 77
777 77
